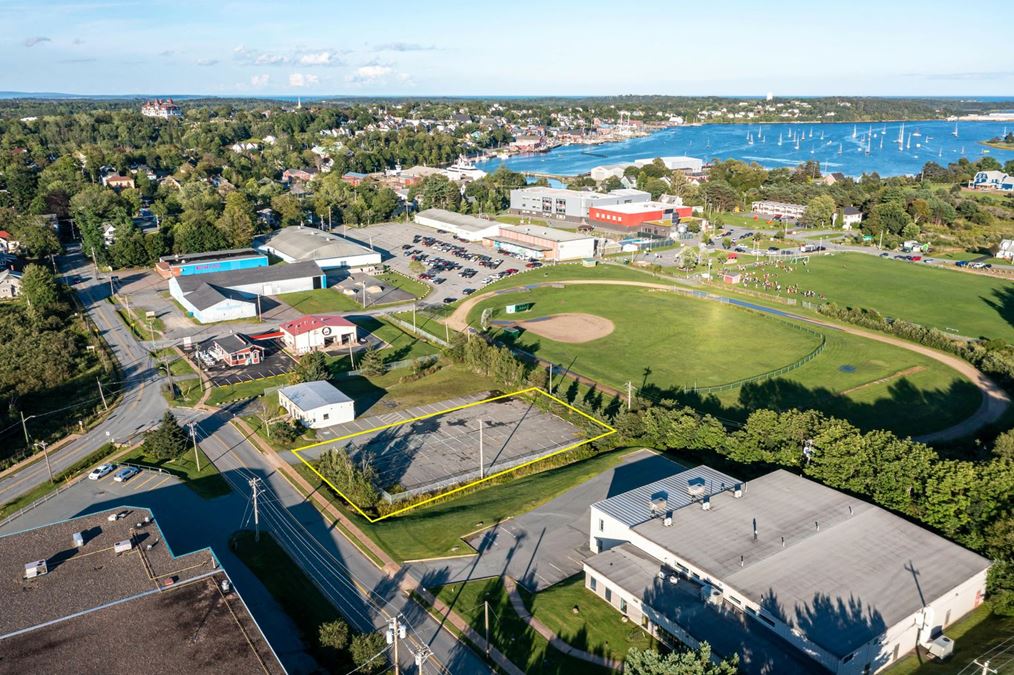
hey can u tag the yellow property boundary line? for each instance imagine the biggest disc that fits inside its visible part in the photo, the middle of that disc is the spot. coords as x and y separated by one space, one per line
536 390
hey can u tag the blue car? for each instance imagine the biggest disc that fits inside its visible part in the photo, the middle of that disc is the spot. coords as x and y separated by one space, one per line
125 474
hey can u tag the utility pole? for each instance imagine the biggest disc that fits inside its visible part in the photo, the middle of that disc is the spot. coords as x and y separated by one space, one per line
24 427
193 436
630 394
986 670
413 317
255 487
395 632
485 615
482 462
102 395
46 454
421 656
550 378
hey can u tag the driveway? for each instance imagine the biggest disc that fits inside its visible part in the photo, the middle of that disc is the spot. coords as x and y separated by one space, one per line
548 544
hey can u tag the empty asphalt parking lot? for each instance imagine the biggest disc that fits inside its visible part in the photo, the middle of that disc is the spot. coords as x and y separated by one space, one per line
443 449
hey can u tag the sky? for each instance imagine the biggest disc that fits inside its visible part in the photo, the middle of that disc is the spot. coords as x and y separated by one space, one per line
554 47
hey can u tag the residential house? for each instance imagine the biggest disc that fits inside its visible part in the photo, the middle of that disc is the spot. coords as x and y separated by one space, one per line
10 284
117 182
851 217
1006 250
993 180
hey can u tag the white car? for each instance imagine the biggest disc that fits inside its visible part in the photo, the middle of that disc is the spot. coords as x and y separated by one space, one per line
100 471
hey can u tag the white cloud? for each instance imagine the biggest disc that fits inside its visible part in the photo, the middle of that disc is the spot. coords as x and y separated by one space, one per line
207 62
302 80
303 57
38 39
404 47
370 73
259 80
324 58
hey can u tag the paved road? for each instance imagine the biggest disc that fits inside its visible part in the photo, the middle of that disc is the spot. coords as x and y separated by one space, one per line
141 404
362 592
995 400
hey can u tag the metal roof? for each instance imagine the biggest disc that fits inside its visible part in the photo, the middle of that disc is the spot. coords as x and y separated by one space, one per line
312 395
458 220
547 233
206 295
308 243
207 256
234 278
632 508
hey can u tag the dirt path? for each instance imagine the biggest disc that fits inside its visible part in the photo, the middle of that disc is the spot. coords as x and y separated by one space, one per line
994 399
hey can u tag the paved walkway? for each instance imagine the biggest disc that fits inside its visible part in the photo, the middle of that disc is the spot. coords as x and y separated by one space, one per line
994 399
542 629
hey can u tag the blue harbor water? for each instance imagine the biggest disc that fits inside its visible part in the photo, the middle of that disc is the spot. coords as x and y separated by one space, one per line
844 147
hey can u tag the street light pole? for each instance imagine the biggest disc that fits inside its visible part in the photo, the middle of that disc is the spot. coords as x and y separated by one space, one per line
193 436
45 453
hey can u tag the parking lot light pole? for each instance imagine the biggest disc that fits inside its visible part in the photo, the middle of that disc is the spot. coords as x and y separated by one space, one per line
482 462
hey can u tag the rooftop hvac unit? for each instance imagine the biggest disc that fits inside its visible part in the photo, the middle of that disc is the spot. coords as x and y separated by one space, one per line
941 648
737 491
668 521
123 546
78 538
696 486
658 504
711 595
706 503
35 569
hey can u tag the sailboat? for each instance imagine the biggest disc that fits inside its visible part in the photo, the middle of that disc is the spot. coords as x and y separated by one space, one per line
822 134
797 142
909 145
853 131
941 153
779 138
916 133
749 138
811 132
839 148
884 130
901 137
955 132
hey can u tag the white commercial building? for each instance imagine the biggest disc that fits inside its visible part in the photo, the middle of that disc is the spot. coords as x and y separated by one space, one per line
778 209
224 296
681 163
841 581
317 404
462 226
543 243
569 204
302 244
317 331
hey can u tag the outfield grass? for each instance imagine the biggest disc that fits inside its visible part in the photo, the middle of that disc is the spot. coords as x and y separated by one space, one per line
508 633
566 271
973 636
692 342
971 304
320 301
597 627
208 482
436 530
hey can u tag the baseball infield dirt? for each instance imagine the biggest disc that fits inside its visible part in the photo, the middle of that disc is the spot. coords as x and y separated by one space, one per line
569 327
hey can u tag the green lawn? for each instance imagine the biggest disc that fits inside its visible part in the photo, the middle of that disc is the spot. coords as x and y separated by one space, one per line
400 344
436 530
320 301
208 482
971 304
407 284
596 627
692 342
189 392
512 636
565 271
293 591
973 636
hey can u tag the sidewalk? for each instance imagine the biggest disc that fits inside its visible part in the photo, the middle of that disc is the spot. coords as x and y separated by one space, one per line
519 606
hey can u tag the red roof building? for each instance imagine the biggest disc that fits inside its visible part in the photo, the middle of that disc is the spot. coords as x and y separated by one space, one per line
316 331
629 217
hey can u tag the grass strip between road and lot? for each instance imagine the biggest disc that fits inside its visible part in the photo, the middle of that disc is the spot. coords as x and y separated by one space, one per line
974 636
60 479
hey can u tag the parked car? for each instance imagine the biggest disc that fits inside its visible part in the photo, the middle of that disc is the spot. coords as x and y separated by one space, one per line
100 471
448 301
468 291
126 473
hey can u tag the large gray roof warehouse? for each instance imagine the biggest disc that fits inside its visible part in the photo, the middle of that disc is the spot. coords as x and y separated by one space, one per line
844 576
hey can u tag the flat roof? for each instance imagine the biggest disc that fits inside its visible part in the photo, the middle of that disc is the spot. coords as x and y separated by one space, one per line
538 190
233 278
547 233
307 244
188 258
312 395
190 628
458 220
636 207
842 583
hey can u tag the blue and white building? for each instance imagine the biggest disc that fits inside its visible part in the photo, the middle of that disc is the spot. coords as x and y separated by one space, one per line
993 180
187 264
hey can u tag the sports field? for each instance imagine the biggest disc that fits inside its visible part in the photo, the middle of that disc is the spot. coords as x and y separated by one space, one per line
971 304
663 341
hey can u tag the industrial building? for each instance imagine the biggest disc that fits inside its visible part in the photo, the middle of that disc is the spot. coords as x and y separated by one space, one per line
633 217
543 243
568 204
211 261
308 244
462 226
317 331
843 582
780 210
681 163
105 593
317 404
224 296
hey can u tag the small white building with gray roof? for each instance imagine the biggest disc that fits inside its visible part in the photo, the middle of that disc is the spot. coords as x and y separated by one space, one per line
460 225
846 583
317 404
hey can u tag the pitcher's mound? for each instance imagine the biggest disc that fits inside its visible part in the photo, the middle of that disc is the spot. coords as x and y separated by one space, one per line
569 327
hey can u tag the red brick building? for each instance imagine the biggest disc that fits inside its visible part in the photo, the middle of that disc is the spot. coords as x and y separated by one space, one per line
630 217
